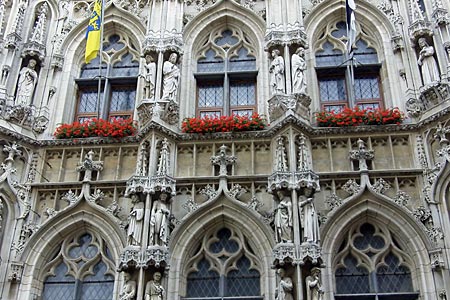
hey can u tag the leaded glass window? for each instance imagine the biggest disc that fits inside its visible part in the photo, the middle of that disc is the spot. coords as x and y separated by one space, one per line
224 266
81 269
119 71
226 74
336 88
370 264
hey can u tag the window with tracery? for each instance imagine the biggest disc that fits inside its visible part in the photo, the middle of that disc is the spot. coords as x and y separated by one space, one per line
81 269
371 264
226 74
334 78
119 71
223 267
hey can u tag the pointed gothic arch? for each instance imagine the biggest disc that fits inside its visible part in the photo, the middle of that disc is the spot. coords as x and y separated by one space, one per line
42 247
407 233
208 220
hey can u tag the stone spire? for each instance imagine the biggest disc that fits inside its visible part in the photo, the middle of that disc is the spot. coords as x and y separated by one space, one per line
362 155
416 11
281 159
223 160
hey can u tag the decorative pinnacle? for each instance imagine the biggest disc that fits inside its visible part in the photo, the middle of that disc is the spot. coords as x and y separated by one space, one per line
223 160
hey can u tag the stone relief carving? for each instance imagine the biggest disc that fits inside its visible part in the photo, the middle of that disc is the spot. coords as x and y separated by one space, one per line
351 187
128 291
276 70
26 84
381 186
283 217
285 287
314 285
159 221
135 222
427 62
333 201
309 221
298 71
153 289
171 78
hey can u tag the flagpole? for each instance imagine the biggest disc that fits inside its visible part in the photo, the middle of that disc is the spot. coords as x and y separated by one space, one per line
99 87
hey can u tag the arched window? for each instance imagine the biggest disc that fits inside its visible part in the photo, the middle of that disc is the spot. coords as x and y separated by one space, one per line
119 71
223 267
226 75
81 269
335 86
371 264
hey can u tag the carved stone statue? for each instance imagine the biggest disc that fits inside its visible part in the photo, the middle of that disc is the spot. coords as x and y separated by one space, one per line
149 77
298 71
314 285
26 84
285 287
308 217
154 289
283 218
171 77
277 73
136 222
128 291
159 221
430 70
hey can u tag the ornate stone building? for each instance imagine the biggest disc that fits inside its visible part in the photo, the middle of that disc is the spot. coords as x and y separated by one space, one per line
294 211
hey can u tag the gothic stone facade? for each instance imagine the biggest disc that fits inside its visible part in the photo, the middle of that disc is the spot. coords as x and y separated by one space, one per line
293 211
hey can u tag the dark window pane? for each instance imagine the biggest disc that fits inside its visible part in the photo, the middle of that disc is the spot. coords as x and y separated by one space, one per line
332 89
59 286
211 114
392 277
340 31
227 38
329 56
334 108
88 101
242 112
224 242
244 281
210 63
242 93
113 43
352 279
365 55
91 70
368 239
126 67
204 282
366 87
210 95
122 99
242 62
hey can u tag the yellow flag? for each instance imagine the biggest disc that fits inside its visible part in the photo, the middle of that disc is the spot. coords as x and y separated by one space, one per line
93 32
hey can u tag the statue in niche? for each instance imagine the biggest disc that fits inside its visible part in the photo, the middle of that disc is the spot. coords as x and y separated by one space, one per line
298 71
429 67
308 216
283 218
171 77
285 287
159 221
276 70
154 289
314 285
128 291
26 84
136 222
149 77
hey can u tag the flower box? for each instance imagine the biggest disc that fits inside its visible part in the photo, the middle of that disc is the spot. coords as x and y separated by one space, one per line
357 116
232 123
115 128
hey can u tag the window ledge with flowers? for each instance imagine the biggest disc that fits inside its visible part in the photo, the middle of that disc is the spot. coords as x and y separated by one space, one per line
357 116
115 128
232 123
